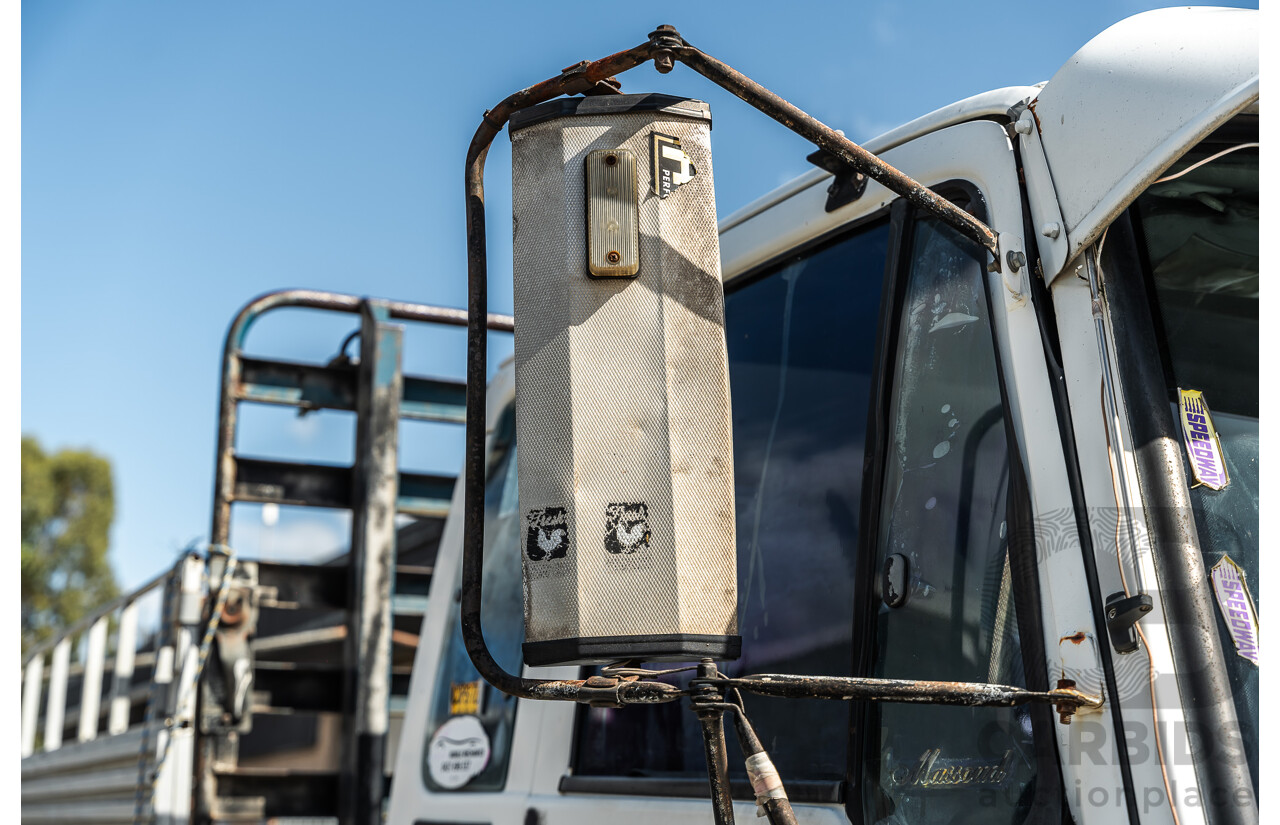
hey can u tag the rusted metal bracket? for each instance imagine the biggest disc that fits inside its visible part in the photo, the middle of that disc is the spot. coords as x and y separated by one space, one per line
847 185
1065 699
709 706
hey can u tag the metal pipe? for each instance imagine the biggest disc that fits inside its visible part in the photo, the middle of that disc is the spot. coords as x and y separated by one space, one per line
87 621
57 706
91 682
969 694
771 796
824 137
31 704
708 706
606 691
1112 413
372 564
122 677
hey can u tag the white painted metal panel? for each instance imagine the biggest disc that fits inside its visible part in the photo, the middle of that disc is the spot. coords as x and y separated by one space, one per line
1073 308
31 703
57 708
126 645
1134 99
91 681
92 781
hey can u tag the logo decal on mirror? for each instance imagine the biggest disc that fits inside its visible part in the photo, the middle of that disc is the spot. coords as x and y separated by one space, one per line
547 534
626 528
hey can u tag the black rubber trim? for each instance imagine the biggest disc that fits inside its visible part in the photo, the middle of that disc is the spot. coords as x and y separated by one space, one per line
1190 615
688 787
599 650
669 105
1047 806
865 597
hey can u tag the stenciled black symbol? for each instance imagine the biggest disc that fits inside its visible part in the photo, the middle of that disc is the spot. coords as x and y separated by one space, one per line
626 527
547 534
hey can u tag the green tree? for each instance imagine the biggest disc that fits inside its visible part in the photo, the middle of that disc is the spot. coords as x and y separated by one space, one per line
68 503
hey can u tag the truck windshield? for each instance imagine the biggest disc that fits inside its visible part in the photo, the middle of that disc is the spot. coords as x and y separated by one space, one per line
1199 227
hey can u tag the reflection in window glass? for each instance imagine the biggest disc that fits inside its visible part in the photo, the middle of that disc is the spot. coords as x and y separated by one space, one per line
801 342
1201 237
459 689
943 510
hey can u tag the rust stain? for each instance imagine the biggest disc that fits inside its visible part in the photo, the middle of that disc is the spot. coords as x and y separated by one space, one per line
1075 638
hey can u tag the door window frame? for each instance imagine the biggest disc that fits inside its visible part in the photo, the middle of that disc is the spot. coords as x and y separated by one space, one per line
863 740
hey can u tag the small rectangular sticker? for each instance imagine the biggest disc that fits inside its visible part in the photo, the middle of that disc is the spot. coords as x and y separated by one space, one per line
1204 450
464 698
1236 603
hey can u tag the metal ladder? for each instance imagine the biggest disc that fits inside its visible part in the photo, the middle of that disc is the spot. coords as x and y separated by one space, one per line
170 736
372 590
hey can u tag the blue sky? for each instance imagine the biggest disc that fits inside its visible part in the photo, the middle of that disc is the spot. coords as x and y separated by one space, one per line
179 159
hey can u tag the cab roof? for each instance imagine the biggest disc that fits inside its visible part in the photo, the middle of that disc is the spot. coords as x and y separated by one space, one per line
1137 97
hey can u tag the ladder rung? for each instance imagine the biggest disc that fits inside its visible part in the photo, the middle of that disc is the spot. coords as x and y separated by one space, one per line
325 586
321 485
312 386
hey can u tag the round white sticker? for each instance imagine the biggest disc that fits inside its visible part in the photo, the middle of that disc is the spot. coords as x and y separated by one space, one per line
458 752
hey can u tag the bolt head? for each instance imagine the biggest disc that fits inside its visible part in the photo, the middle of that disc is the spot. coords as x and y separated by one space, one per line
1051 229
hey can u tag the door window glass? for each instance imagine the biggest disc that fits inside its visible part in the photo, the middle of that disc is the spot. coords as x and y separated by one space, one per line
942 516
801 342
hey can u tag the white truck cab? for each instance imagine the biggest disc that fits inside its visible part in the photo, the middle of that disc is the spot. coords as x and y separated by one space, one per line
1036 470
946 472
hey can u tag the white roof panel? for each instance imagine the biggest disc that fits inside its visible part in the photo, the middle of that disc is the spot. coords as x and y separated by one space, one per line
1134 99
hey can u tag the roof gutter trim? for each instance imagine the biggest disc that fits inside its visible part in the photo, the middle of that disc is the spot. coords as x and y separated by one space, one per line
994 103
